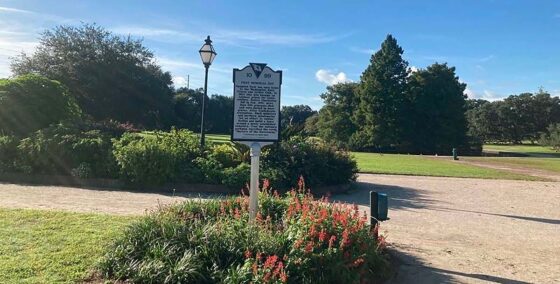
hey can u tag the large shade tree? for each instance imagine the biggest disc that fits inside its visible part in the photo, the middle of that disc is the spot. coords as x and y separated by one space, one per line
111 77
335 123
437 108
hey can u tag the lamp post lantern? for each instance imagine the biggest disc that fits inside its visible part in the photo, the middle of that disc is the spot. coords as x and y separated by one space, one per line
207 54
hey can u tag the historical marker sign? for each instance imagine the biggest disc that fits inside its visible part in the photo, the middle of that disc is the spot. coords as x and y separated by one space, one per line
256 103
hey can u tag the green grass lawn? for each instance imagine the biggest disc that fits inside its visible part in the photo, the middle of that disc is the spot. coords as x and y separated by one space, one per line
39 246
427 166
218 138
531 150
548 164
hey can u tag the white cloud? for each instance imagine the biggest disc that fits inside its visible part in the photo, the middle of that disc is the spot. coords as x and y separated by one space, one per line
486 58
179 81
14 10
367 51
329 78
232 37
470 94
490 95
413 68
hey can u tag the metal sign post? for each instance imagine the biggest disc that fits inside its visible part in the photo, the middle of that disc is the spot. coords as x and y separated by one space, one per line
256 116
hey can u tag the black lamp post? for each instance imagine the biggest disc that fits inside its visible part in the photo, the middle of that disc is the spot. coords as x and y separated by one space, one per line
207 54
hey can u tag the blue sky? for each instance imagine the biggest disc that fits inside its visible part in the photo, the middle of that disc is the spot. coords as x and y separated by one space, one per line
498 47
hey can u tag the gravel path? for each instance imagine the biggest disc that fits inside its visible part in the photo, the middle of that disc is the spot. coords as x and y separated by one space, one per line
454 230
443 230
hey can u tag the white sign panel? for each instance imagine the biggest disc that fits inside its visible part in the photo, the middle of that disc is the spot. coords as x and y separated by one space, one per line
256 103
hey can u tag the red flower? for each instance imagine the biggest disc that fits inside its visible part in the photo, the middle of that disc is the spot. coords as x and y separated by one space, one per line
323 235
309 247
283 277
270 261
331 241
248 254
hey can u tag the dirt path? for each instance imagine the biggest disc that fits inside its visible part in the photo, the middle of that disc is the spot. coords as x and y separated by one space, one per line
453 230
443 230
85 200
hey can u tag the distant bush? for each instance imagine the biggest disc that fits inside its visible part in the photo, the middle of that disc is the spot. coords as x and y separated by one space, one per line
237 177
31 102
61 148
8 153
156 157
294 239
319 163
552 138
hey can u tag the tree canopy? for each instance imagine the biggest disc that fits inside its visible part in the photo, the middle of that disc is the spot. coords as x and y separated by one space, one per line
31 102
381 94
335 123
110 77
394 109
436 117
515 119
188 106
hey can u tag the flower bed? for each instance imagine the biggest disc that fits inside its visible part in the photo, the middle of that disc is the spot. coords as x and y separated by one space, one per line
295 239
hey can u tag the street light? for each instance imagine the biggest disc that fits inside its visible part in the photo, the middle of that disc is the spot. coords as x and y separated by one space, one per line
207 54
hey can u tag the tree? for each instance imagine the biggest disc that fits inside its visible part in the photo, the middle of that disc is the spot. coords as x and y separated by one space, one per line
335 123
220 114
292 120
516 118
219 111
552 137
109 76
438 121
382 93
187 104
31 102
295 115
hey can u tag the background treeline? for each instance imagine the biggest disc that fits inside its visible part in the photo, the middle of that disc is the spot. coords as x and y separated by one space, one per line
392 109
395 109
110 78
518 118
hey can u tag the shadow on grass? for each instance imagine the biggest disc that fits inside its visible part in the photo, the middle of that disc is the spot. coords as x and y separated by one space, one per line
399 197
411 269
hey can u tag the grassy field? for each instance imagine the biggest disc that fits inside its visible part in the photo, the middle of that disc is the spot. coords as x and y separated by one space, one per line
528 149
427 166
53 247
548 164
218 138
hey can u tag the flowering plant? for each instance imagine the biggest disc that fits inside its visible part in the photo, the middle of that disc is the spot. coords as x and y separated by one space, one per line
294 239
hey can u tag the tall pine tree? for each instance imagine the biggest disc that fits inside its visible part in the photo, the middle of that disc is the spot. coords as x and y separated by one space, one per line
382 99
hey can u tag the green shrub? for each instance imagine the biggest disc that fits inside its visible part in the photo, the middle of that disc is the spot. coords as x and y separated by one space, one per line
31 102
294 239
8 153
552 137
225 154
157 157
319 163
61 148
237 177
211 170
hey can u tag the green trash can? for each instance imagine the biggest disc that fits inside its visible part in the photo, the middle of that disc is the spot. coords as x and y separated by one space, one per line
379 206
